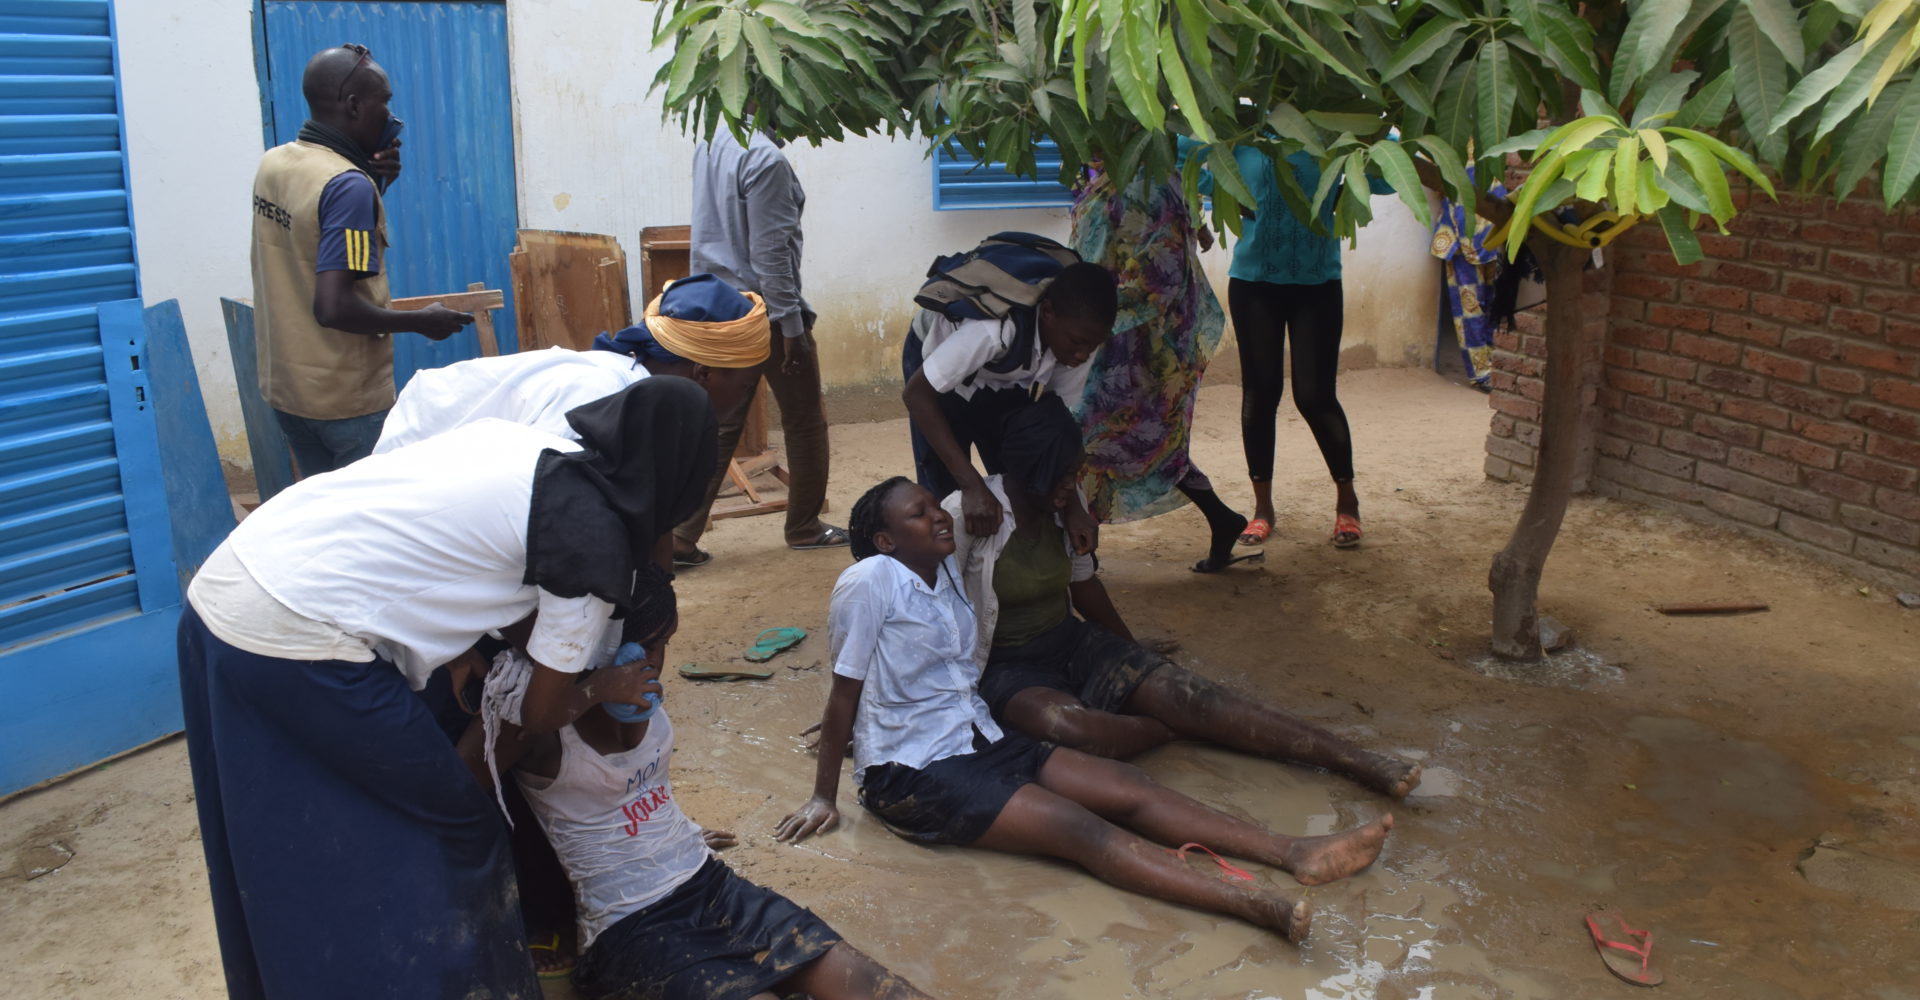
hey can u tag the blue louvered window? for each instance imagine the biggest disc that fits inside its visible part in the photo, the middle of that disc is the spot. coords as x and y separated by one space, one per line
960 181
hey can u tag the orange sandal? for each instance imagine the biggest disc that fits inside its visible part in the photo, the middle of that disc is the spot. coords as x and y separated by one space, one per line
1346 531
1258 530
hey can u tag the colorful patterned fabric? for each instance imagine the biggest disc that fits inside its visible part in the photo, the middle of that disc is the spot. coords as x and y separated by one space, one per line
1137 412
1470 267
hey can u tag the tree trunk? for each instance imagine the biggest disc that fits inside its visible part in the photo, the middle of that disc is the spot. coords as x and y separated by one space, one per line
1515 575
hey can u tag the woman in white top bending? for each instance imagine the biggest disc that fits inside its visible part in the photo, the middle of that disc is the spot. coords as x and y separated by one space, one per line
931 763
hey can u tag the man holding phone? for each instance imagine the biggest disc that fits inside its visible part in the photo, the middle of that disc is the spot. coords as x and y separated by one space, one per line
321 304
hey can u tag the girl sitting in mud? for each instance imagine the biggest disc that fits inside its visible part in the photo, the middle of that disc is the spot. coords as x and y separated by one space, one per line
1085 683
931 763
659 915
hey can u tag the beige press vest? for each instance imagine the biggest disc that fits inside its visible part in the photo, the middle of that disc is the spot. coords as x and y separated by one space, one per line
307 369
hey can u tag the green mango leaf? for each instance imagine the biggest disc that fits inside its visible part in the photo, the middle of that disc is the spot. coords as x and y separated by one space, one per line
1863 143
1662 97
1522 143
1651 26
1680 237
1593 183
1778 21
1428 39
733 82
1731 156
1705 170
1182 87
790 16
1857 86
1496 94
1708 106
730 22
1455 120
1397 167
1452 169
1359 125
766 52
1681 188
1903 152
1624 164
1291 124
1648 192
1816 85
1759 84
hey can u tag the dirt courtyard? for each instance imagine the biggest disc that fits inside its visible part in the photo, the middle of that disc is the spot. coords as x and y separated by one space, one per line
1680 770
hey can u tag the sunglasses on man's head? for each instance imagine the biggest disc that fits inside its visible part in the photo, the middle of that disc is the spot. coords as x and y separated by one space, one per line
365 58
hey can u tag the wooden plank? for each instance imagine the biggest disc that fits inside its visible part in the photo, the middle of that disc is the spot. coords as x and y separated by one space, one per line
665 255
1710 608
266 442
478 298
483 324
568 288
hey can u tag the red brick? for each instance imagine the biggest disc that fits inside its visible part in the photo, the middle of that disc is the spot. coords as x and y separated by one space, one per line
1626 427
1861 267
1680 317
1862 208
1664 364
1531 388
1707 348
1618 355
1842 435
1834 293
1887 554
1729 246
1853 237
1659 413
1623 308
1522 409
1727 380
1906 244
1897 477
1882 419
1806 400
1806 453
1662 461
1811 345
1757 279
1840 380
1645 286
1500 426
1800 501
1506 340
1899 392
1899 503
1893 449
1638 383
1720 297
1879 524
1693 444
1742 509
1511 450
1827 536
1834 484
1762 225
1765 466
1658 261
1647 481
1730 431
1613 447
1778 365
1791 310
1756 413
1688 394
1534 346
1897 362
1887 300
1638 335
1742 328
1860 324
1791 256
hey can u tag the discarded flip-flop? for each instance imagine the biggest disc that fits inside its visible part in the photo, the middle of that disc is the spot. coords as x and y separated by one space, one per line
1227 868
723 672
1212 565
559 964
774 641
1615 953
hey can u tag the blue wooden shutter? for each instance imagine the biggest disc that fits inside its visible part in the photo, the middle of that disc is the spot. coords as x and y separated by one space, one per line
66 246
960 181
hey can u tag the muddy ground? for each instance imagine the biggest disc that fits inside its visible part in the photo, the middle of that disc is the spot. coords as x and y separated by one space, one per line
1680 770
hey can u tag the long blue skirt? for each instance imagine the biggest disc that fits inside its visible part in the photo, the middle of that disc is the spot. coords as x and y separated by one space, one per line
349 851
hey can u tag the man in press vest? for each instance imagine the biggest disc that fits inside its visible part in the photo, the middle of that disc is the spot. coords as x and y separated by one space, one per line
321 316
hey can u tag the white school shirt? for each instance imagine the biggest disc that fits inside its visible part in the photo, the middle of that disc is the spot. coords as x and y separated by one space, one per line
951 351
613 821
976 558
415 553
912 646
535 388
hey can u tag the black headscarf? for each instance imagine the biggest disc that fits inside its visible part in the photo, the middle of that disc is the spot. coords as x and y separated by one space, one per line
647 453
1040 444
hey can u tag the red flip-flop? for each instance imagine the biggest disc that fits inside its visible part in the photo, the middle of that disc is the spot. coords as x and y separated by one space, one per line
1346 531
1615 953
1257 532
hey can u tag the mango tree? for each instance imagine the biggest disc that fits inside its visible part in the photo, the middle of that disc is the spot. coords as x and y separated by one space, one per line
1624 114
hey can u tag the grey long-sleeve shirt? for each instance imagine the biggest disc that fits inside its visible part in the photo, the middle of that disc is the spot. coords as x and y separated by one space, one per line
746 224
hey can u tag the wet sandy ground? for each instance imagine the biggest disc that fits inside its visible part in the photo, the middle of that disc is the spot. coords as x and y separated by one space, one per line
1679 770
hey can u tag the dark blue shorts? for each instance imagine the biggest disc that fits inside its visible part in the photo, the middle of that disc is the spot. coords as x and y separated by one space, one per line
954 799
716 937
1082 659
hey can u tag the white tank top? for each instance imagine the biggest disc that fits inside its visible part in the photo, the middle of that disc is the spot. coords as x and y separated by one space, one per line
613 822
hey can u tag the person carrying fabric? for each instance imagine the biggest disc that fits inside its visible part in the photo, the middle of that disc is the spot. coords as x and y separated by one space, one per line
322 777
1287 301
697 328
962 376
1081 681
321 306
747 203
1136 414
933 765
659 915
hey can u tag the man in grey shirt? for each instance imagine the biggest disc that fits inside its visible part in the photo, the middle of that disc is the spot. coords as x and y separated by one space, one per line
746 230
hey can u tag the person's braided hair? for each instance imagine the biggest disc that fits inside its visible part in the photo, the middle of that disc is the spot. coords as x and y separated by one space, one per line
655 607
869 517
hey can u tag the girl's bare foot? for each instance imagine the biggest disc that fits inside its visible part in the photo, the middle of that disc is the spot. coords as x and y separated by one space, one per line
1292 918
1318 860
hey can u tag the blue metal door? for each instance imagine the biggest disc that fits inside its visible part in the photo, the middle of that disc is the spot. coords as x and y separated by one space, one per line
452 216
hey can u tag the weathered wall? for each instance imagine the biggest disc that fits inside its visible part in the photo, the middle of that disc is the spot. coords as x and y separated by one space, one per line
1773 387
593 155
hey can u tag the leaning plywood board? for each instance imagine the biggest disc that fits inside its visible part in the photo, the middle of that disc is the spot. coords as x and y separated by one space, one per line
568 288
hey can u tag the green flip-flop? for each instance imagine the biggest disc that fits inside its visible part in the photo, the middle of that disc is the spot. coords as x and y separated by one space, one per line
774 641
724 672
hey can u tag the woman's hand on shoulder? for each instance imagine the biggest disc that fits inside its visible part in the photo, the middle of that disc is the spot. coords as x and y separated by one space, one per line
817 816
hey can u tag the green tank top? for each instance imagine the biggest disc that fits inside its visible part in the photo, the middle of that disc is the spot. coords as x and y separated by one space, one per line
1030 579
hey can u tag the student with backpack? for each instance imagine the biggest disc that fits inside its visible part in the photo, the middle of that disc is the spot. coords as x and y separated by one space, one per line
1017 317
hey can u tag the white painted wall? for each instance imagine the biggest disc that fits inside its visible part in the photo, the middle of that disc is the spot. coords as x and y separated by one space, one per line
593 155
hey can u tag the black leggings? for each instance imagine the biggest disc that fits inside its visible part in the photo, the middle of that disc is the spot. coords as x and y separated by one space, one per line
1265 317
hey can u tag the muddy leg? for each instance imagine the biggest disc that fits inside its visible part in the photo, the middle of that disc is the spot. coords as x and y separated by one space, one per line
1197 708
1039 821
1058 717
844 973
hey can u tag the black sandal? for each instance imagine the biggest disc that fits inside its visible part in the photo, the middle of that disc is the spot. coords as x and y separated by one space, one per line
699 557
830 537
1212 565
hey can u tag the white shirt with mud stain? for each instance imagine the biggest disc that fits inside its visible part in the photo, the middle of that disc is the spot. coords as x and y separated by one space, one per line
912 646
413 555
535 388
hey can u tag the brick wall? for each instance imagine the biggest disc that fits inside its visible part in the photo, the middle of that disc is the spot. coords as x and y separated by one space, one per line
1773 387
